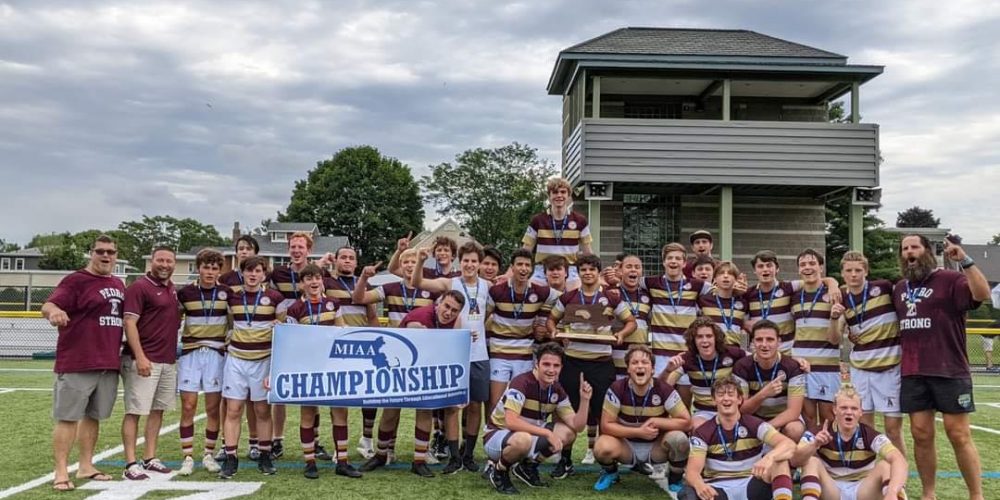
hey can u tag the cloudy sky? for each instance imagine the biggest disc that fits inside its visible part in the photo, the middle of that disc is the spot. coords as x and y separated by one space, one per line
212 109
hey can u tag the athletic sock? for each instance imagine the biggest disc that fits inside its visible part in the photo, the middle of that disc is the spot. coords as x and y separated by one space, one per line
254 444
368 421
811 488
211 437
307 435
340 442
264 446
231 450
453 448
470 445
420 439
591 436
187 440
384 440
781 487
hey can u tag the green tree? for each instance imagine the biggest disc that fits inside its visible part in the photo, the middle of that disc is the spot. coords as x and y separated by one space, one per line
917 217
879 244
8 247
137 238
359 193
66 256
492 192
995 241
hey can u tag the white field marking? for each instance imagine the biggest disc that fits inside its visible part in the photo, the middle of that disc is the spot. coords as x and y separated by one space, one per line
971 426
46 370
4 390
135 490
992 405
977 386
34 483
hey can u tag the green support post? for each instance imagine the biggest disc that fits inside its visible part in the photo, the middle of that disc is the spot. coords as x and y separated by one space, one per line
726 223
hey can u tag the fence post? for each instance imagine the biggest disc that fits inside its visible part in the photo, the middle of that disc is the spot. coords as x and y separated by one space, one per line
29 288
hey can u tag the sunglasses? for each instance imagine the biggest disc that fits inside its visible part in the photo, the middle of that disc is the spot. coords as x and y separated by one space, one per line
105 251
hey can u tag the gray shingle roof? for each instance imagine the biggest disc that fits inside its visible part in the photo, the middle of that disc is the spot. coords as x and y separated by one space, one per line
696 42
292 226
987 257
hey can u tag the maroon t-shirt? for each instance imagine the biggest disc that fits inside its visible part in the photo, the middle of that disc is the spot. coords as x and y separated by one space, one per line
159 315
425 315
92 339
932 324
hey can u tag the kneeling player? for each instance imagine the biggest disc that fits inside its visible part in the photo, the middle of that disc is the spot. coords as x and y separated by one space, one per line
728 459
852 461
644 421
518 435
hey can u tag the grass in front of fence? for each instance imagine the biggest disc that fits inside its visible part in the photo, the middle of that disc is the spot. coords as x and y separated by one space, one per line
28 426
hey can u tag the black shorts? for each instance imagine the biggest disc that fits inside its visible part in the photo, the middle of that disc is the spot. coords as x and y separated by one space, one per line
479 381
599 374
946 395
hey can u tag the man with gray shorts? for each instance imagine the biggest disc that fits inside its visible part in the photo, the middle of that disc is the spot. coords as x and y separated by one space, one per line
148 368
86 307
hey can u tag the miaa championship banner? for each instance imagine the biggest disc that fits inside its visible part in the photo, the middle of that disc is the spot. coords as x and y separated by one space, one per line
369 367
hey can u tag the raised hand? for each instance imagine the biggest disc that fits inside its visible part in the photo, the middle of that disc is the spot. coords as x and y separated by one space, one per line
836 311
403 244
586 391
823 437
370 271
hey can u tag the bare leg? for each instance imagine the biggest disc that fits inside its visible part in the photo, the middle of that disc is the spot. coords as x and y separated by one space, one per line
956 426
86 435
264 422
212 416
63 435
130 430
153 423
924 450
894 431
234 415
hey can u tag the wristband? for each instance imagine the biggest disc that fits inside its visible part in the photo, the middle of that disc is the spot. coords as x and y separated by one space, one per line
967 262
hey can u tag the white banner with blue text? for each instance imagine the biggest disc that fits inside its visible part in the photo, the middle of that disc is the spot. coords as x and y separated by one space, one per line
369 367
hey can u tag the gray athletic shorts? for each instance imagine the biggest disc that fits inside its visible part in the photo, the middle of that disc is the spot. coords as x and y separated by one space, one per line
479 381
91 394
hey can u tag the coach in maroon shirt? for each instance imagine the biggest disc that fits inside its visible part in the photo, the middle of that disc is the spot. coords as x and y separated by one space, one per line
931 304
87 309
149 370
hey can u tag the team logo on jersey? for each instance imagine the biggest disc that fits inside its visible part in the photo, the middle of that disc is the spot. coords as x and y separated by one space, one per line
779 293
644 299
656 400
264 301
859 444
687 286
532 298
875 292
330 306
425 294
603 301
727 361
572 224
911 307
741 432
553 398
738 305
222 295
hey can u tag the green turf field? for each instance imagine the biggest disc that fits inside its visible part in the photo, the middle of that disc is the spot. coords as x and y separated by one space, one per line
27 425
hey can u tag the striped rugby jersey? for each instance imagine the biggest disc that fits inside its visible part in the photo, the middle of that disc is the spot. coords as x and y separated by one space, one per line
306 312
731 453
586 349
632 410
234 280
639 303
253 323
672 311
811 311
526 397
399 300
871 318
854 459
557 237
206 317
729 314
341 289
775 305
753 377
510 321
703 373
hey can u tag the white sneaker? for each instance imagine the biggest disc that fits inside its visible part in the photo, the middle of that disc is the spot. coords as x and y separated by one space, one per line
659 472
431 459
588 459
390 457
187 466
209 463
365 447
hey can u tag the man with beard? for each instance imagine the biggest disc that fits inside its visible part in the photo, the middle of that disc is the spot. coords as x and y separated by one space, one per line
86 308
850 461
518 432
644 421
559 231
149 369
316 309
931 305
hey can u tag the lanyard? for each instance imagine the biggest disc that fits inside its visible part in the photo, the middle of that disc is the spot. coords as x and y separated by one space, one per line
542 403
295 285
519 308
802 300
715 366
315 319
473 304
728 321
670 293
722 438
774 372
247 314
645 401
206 311
864 305
593 301
840 447
354 282
911 294
633 306
558 231
408 301
765 311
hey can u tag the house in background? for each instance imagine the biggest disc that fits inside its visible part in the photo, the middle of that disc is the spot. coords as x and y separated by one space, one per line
667 131
447 227
273 245
27 259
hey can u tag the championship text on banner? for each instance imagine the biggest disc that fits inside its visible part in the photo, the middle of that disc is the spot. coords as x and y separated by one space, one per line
369 367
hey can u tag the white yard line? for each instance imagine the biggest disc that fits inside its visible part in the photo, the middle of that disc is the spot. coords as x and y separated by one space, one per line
46 370
34 483
976 427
